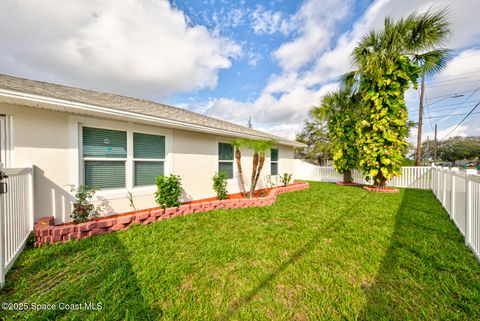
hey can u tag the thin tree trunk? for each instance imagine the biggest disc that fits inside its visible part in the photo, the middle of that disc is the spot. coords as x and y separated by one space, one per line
347 177
379 181
259 170
254 173
420 122
238 157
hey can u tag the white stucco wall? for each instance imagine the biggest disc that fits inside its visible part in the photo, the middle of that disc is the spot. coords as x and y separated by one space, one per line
50 141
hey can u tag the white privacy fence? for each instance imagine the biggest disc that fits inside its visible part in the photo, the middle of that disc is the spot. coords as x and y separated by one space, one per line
412 177
458 191
16 216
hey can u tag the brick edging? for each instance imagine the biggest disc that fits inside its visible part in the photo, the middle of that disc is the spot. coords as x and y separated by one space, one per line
46 231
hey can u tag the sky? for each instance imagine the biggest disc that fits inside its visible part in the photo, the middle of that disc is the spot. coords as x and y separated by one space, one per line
270 61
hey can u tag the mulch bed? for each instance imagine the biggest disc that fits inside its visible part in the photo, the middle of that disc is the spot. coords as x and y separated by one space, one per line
348 184
381 190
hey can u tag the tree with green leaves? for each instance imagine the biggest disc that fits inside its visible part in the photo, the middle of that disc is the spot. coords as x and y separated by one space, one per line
341 109
315 135
385 70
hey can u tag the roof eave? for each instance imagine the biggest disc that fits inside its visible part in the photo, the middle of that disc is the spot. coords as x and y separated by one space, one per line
116 113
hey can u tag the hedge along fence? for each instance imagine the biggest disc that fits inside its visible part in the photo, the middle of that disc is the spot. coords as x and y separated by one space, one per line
46 231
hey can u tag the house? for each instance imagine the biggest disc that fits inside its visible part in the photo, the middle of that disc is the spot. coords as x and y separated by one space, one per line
119 144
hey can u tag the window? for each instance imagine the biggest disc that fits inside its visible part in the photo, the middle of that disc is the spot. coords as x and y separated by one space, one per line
148 158
225 159
274 161
104 156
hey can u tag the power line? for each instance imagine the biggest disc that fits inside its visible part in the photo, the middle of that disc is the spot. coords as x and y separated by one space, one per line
470 113
449 95
454 115
470 96
415 113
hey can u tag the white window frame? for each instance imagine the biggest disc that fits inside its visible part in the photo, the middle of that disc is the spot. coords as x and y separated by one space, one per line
153 160
6 136
233 180
76 173
102 159
277 162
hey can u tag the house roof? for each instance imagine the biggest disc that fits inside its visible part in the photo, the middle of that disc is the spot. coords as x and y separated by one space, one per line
131 105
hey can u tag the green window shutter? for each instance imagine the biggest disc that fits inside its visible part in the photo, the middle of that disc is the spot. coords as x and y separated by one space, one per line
226 167
225 151
105 174
148 146
99 142
274 169
146 172
274 155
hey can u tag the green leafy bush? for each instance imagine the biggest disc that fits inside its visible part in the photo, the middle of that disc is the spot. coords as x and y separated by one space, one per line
220 185
83 208
286 178
169 189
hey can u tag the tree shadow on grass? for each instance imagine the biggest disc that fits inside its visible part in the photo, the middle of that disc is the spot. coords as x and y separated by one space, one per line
297 255
94 270
427 272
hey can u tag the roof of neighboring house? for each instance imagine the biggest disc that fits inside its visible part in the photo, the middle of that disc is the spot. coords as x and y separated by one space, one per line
129 104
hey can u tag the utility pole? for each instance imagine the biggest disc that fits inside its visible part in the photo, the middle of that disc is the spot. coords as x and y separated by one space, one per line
435 146
420 121
250 122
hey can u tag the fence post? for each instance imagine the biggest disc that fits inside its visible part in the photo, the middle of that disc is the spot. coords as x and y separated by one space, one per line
452 193
2 238
445 171
31 200
468 206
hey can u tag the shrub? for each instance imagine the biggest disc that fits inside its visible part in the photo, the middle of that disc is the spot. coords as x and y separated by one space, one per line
286 178
169 189
83 208
220 185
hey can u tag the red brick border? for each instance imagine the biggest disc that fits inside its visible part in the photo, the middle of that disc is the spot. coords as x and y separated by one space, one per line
46 231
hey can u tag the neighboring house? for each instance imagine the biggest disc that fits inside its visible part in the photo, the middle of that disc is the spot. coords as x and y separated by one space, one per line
120 144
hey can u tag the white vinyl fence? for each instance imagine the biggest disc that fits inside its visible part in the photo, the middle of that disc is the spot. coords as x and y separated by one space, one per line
16 216
412 177
458 191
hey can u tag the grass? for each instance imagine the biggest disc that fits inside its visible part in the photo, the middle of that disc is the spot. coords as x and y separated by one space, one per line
328 252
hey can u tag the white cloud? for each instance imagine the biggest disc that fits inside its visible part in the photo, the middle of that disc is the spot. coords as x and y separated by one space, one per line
317 21
269 22
136 47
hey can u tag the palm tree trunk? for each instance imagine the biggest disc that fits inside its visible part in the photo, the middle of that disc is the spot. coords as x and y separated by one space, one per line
238 157
254 173
259 170
420 121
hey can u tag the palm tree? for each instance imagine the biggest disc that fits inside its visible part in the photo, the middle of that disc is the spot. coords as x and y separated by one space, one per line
419 37
239 143
259 148
341 110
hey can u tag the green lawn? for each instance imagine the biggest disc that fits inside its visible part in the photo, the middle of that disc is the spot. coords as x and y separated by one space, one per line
328 252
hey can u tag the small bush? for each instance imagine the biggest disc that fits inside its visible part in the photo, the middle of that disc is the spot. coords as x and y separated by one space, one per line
220 185
169 189
83 209
286 178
